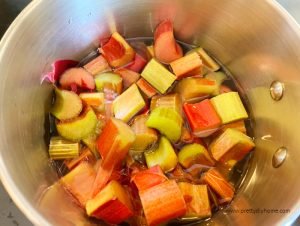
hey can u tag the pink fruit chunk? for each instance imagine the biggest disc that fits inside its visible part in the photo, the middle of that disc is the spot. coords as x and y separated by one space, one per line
138 63
79 77
165 47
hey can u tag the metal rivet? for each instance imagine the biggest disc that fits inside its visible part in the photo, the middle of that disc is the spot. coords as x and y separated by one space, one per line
279 157
277 90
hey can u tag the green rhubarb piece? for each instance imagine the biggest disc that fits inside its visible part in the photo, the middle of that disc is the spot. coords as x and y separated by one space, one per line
158 76
164 156
167 121
67 104
194 154
110 81
229 107
128 104
219 77
61 148
80 127
170 101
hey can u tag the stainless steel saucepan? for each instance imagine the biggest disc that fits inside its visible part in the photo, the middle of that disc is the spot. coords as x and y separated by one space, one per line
256 40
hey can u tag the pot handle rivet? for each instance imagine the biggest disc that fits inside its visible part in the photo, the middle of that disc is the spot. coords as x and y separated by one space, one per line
279 157
277 90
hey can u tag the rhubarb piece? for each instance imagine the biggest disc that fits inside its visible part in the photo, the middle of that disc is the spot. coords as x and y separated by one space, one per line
158 76
150 51
97 65
195 89
60 148
79 182
186 66
85 156
164 156
196 199
202 118
145 137
148 178
67 105
117 51
78 128
113 145
191 154
78 77
167 121
112 204
231 145
219 185
95 100
169 101
138 63
129 77
238 125
146 88
209 62
166 48
128 104
162 202
186 136
110 81
219 77
229 107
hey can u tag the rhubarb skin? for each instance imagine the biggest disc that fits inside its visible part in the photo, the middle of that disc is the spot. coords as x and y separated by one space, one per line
145 136
229 107
219 185
231 145
79 182
112 204
166 49
85 156
164 156
162 202
194 89
117 51
78 77
170 101
191 154
129 77
146 88
128 104
109 80
97 65
138 63
202 118
186 66
148 178
196 199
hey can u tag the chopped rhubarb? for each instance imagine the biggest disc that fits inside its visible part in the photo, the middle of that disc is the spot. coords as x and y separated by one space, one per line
129 77
202 118
148 178
67 104
112 204
210 63
97 65
167 121
186 136
95 100
164 156
166 48
170 101
78 128
191 154
109 80
60 148
238 125
117 51
79 182
85 156
145 136
150 51
138 63
146 88
219 185
231 145
78 77
158 76
229 107
196 199
162 202
219 77
195 89
128 104
186 66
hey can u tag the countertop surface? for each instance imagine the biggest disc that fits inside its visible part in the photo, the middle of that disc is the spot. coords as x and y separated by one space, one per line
10 215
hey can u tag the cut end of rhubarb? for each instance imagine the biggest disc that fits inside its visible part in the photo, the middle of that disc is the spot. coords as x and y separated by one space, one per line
110 81
78 77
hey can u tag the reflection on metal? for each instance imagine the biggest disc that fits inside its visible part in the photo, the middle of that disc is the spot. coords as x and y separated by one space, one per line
276 90
279 157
